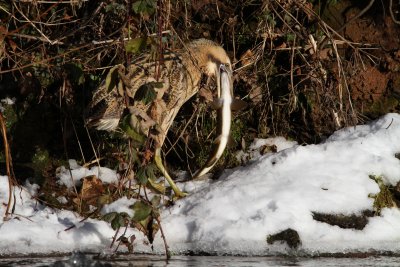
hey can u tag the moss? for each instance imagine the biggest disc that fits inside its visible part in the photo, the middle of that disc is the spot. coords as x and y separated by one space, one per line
384 198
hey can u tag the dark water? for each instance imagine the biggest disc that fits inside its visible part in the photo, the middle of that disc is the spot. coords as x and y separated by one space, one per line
131 260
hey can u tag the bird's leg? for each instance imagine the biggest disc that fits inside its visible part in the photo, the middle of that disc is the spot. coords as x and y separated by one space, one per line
160 165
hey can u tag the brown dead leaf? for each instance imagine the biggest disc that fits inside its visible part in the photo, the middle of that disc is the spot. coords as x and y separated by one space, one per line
92 188
147 155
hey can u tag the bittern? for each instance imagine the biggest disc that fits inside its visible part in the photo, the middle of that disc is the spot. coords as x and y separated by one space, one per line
174 79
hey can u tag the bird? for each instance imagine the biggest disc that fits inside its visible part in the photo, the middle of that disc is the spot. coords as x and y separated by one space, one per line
154 91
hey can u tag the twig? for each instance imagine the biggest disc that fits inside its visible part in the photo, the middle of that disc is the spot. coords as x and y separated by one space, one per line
125 39
45 60
20 35
10 173
34 26
291 74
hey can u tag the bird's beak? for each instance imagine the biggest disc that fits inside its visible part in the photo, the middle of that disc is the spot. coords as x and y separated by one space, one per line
223 68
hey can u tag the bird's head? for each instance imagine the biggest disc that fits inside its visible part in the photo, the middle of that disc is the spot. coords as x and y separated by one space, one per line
212 59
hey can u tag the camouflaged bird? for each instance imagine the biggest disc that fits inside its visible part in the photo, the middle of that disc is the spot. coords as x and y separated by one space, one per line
174 80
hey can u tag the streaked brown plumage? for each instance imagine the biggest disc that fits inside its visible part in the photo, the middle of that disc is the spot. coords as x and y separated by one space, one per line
179 76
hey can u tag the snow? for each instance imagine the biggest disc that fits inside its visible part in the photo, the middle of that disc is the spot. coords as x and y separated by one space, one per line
236 213
72 176
120 205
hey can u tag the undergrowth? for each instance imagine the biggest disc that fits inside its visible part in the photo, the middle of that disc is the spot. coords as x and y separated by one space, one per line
292 67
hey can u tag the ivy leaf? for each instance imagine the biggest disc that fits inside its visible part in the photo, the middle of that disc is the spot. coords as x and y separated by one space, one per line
142 211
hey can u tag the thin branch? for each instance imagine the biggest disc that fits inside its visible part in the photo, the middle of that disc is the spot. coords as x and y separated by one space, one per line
36 28
10 173
38 38
45 60
125 39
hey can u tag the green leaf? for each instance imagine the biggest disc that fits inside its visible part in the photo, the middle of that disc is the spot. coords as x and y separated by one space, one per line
146 174
104 199
147 93
115 8
119 220
109 216
157 187
150 168
111 79
133 132
144 7
141 176
115 223
135 45
142 211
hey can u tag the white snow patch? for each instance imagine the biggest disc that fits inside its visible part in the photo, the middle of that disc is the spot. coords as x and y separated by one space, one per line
72 176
